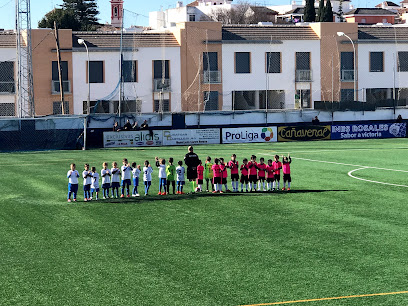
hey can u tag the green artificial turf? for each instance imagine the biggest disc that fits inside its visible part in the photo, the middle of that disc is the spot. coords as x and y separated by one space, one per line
332 235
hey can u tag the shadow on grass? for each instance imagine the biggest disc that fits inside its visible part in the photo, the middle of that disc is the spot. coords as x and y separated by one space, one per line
197 195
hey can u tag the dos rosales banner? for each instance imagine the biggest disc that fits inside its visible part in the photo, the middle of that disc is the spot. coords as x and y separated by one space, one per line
191 137
250 134
302 133
132 139
366 131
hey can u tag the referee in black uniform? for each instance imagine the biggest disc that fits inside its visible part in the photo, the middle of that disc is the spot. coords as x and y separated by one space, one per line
191 160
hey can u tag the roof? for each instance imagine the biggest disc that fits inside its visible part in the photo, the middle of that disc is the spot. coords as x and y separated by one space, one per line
370 11
387 3
382 33
7 40
130 40
299 11
194 3
263 10
255 33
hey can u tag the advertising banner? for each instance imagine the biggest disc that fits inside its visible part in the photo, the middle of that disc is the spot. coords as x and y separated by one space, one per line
132 139
191 137
312 132
249 134
366 131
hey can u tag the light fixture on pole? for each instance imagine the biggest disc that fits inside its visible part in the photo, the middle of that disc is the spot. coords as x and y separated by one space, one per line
340 34
88 106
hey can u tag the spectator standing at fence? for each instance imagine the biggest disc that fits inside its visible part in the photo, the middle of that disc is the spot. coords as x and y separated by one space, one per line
144 125
192 161
127 126
399 119
116 127
136 126
316 121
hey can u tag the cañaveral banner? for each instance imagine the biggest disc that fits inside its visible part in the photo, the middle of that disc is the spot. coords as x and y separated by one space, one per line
310 132
132 139
365 131
249 134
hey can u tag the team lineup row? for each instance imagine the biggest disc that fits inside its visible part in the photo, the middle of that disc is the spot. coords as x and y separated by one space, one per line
266 175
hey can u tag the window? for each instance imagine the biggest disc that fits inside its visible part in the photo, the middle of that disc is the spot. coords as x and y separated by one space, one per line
347 95
302 60
7 78
191 18
403 61
376 61
376 95
271 99
244 100
165 106
210 61
302 98
101 107
96 73
347 66
115 11
55 77
131 106
129 71
273 62
242 62
7 110
211 100
57 108
161 69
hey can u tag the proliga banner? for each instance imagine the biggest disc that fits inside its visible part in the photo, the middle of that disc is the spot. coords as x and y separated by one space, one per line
191 137
249 134
132 139
366 131
302 133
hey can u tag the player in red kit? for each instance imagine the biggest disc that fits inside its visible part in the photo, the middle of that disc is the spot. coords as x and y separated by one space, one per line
261 174
269 170
217 176
277 166
253 174
286 161
244 175
234 166
200 176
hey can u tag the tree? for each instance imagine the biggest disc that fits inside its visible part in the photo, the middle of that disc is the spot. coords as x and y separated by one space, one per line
340 13
309 14
320 12
64 19
328 12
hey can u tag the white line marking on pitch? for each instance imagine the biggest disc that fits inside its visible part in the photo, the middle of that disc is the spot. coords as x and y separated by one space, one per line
361 179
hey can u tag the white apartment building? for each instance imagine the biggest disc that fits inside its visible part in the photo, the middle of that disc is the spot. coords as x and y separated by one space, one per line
8 73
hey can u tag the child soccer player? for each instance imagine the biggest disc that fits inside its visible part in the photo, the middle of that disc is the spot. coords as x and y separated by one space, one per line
72 176
244 175
200 175
147 176
87 175
270 179
115 179
136 173
224 175
161 164
252 173
217 175
126 176
171 172
180 177
261 174
208 173
106 175
286 161
233 165
95 183
277 165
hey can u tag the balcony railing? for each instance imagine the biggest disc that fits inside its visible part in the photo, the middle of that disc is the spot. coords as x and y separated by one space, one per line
347 75
161 85
55 86
303 75
7 88
211 77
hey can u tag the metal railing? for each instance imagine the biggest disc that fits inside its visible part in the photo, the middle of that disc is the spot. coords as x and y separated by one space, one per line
161 85
303 76
211 77
55 87
7 88
347 75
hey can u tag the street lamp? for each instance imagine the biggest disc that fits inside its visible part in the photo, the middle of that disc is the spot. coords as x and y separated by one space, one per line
88 106
355 72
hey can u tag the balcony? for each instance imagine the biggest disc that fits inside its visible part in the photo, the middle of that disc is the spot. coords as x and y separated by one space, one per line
347 75
55 87
161 85
7 88
303 76
211 77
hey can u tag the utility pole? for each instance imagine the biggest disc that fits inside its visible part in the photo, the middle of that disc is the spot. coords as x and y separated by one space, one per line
61 83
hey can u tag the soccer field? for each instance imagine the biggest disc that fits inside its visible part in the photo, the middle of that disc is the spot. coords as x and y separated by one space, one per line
341 231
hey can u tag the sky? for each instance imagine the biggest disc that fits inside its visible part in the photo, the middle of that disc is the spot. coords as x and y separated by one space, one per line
40 7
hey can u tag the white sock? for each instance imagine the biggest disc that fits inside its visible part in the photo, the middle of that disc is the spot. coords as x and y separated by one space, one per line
215 187
263 183
250 186
278 184
273 184
288 184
